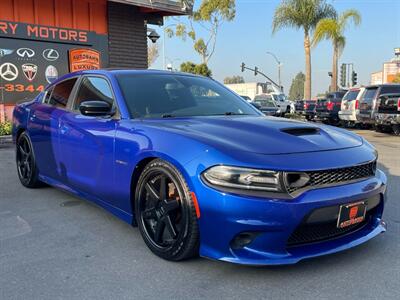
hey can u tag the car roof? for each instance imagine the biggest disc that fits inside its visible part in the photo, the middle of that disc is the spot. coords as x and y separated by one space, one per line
381 85
116 71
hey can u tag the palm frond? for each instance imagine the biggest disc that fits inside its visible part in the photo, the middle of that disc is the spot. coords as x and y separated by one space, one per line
326 29
347 15
301 14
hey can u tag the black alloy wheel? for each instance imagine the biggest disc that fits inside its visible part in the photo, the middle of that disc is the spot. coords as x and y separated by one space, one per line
165 212
26 165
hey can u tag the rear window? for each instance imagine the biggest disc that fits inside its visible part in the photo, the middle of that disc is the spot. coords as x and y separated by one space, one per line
336 95
390 89
369 95
351 95
266 103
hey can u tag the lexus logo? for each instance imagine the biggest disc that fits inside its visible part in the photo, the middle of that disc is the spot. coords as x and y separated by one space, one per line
51 54
25 52
8 71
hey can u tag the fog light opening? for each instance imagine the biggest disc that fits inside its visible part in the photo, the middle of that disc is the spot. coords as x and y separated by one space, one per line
243 239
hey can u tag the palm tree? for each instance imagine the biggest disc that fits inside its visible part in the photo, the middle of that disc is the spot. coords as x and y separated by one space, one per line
333 29
303 14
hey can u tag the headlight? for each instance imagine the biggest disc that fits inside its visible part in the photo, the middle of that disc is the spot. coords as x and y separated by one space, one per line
243 178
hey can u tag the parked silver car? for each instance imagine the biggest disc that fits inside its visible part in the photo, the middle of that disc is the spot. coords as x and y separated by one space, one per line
350 106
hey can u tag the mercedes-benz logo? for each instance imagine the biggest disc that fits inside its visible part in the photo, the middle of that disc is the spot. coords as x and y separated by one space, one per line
25 52
51 54
8 71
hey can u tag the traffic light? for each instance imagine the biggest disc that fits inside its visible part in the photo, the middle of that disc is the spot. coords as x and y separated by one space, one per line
343 75
353 78
243 66
255 71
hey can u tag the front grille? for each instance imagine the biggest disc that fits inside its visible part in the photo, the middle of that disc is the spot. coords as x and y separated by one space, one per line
335 176
306 234
310 231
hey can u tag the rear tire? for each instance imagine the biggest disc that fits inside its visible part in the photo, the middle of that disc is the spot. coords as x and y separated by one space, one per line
165 212
26 164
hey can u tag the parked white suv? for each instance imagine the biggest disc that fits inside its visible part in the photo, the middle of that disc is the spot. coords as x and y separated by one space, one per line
350 105
285 105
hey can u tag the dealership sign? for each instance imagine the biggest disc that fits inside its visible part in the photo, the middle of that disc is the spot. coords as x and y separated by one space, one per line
32 56
39 32
84 59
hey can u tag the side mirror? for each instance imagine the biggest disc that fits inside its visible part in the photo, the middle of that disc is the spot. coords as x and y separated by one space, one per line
95 108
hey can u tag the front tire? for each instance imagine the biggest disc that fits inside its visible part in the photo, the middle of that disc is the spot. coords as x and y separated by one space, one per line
26 164
165 212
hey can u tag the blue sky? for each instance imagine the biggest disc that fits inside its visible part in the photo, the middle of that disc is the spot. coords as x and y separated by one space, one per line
249 37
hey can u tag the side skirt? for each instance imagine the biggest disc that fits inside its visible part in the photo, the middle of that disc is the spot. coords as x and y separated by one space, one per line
123 215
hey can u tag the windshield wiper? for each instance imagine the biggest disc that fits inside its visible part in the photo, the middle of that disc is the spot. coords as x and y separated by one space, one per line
166 116
231 113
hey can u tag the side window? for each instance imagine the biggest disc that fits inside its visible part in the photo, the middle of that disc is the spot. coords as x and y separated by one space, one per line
59 96
93 88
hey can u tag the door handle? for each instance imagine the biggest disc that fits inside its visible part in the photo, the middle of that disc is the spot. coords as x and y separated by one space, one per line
32 117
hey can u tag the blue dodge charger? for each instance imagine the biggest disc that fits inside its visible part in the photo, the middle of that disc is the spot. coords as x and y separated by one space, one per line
198 169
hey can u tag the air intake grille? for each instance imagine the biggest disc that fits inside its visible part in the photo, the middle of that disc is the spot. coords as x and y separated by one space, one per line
335 176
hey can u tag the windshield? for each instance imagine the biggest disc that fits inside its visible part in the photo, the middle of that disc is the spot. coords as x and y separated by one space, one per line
351 95
173 95
282 97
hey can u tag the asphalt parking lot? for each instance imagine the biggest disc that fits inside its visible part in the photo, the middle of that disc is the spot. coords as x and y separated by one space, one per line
55 246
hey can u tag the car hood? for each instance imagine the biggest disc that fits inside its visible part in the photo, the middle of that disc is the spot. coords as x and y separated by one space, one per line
263 135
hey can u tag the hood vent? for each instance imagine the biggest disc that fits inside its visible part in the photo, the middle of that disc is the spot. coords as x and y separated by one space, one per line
299 131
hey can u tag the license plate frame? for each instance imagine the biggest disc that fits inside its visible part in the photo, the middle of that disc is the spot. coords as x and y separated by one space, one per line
351 214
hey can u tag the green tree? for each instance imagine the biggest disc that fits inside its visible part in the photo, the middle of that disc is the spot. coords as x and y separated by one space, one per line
303 14
296 90
199 69
234 79
209 16
333 29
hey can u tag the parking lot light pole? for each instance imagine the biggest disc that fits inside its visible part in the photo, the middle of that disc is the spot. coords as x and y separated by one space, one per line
279 68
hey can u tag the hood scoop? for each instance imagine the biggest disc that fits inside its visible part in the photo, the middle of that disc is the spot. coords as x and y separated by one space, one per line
300 131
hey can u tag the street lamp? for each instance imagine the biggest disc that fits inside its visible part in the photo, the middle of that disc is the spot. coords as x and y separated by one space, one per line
152 35
279 68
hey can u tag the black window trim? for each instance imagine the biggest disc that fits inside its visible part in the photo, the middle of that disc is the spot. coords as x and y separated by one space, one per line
75 91
51 89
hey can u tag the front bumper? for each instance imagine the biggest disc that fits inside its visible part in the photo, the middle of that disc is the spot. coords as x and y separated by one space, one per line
387 119
274 221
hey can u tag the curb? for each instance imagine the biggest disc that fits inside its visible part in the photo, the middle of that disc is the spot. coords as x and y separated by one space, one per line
5 139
